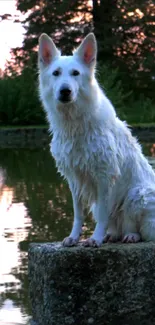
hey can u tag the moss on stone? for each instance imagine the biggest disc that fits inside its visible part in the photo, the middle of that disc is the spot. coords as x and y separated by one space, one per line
108 285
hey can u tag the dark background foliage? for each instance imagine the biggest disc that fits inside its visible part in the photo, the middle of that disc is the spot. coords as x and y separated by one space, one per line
125 32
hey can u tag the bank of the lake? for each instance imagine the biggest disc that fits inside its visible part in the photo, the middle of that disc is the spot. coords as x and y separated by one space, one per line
37 136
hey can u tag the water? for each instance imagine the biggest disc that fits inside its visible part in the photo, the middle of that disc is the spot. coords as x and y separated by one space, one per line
35 206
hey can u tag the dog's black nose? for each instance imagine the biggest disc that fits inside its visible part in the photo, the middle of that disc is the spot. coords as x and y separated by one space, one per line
65 94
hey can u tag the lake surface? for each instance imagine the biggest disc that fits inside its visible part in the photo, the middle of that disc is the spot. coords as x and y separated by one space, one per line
35 206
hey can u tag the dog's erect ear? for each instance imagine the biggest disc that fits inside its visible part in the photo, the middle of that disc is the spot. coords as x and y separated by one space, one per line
87 50
47 49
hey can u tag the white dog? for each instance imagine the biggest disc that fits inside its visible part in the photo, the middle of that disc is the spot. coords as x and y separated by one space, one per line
94 150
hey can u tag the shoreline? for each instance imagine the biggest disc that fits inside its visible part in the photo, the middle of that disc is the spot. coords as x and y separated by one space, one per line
38 136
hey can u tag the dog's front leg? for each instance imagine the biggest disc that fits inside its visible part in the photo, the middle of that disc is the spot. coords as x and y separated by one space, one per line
74 236
101 217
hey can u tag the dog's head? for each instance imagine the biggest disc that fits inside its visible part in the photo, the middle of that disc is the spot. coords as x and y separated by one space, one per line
66 77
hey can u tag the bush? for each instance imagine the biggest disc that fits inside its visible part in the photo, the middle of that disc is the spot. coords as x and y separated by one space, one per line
19 102
110 82
127 105
140 111
20 105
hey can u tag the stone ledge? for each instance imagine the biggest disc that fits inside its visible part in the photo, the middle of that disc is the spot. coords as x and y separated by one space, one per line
24 137
114 284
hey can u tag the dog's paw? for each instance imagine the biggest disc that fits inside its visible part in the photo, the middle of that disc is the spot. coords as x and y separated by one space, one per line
131 238
70 241
91 242
110 238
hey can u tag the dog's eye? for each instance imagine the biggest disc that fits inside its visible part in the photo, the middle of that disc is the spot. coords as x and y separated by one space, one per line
56 73
75 73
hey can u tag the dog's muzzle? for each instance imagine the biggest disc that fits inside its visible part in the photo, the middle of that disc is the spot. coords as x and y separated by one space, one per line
65 95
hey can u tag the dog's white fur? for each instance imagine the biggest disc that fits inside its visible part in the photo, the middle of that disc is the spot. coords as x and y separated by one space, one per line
94 150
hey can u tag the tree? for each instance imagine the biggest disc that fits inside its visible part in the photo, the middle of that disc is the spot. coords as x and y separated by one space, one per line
126 33
65 21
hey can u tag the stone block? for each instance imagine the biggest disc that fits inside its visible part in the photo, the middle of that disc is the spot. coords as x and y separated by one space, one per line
113 285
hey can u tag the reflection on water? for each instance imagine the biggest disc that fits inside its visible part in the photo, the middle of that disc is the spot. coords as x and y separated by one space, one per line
35 205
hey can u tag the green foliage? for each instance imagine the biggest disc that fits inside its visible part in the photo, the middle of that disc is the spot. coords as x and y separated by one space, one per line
111 83
19 103
129 107
140 111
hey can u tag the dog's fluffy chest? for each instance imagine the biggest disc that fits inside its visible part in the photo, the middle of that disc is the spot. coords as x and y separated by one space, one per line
75 153
76 159
86 157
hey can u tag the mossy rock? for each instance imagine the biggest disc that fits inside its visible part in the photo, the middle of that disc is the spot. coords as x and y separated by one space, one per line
114 284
